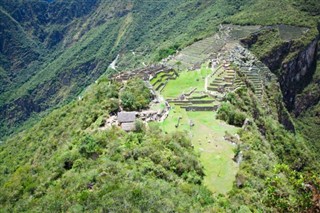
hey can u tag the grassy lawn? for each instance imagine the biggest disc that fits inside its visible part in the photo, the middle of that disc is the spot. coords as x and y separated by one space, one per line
169 124
215 153
207 136
186 81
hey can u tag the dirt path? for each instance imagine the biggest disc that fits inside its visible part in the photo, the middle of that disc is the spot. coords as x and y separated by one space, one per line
114 62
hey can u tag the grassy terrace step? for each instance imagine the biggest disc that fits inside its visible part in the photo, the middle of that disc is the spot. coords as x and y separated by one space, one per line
160 86
229 72
199 97
254 78
183 104
161 75
192 101
229 81
214 89
219 79
239 85
155 81
188 57
217 84
214 83
256 83
200 108
252 73
229 77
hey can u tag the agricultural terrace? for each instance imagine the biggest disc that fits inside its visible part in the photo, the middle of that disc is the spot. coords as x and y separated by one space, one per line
194 97
187 81
206 132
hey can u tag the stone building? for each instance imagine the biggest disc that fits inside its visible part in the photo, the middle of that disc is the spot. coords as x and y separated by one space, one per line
127 120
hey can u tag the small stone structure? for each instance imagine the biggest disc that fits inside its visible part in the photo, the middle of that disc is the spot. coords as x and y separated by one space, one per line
127 120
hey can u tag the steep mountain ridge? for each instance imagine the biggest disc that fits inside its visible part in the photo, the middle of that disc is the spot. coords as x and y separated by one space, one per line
296 63
66 64
67 161
36 82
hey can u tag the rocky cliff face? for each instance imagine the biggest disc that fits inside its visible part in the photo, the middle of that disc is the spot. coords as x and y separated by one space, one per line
296 74
310 95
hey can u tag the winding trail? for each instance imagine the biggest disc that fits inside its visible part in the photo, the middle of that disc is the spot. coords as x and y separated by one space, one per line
114 62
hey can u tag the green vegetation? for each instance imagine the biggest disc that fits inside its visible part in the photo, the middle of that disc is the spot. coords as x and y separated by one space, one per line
206 132
51 59
308 110
275 161
135 95
64 163
267 41
231 115
164 53
274 12
65 160
207 136
187 81
55 57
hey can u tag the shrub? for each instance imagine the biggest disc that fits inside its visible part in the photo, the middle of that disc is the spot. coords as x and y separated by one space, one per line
164 53
232 116
135 95
139 126
88 146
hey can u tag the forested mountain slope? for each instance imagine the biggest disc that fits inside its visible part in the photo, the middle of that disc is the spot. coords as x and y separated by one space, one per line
50 51
55 84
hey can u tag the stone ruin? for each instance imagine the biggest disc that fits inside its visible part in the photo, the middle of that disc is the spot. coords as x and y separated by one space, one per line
145 73
127 120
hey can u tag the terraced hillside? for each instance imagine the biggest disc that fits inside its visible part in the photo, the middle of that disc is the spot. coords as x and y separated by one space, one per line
195 95
87 155
51 50
196 54
193 112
